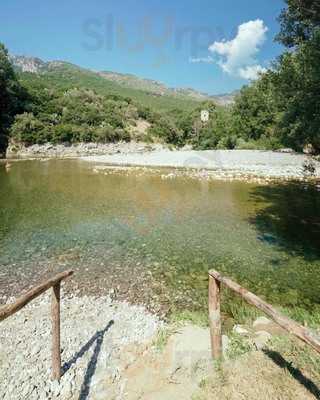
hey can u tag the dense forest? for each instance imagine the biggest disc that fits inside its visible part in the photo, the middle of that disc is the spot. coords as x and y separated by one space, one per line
280 109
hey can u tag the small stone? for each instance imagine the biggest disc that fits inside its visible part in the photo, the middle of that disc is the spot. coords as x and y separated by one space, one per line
43 395
55 388
66 391
261 339
240 330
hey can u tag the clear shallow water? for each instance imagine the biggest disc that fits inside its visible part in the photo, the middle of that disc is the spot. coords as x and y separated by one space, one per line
155 239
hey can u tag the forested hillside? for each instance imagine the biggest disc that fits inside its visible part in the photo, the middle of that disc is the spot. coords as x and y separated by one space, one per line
60 102
64 76
66 103
118 83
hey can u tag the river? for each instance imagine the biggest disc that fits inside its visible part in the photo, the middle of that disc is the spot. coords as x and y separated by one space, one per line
152 240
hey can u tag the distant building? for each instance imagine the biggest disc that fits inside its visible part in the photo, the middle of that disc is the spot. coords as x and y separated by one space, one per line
204 115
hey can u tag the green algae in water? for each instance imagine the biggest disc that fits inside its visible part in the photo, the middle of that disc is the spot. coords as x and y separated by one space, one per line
265 237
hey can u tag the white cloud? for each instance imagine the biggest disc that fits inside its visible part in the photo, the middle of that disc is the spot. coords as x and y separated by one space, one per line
251 72
238 56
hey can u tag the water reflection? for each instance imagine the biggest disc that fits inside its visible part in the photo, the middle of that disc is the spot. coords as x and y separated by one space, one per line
290 217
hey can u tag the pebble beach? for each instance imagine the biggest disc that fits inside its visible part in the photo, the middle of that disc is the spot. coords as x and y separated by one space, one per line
94 333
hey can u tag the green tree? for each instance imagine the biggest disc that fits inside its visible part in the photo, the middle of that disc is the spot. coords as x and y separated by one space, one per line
297 74
208 135
297 84
12 96
298 21
27 129
283 105
166 129
255 110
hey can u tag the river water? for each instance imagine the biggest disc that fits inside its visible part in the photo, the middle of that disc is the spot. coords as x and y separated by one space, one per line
152 240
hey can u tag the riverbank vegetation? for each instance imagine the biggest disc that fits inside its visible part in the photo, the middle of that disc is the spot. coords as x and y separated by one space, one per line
280 109
12 97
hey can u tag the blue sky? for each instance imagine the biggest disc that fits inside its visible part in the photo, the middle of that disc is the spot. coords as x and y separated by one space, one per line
163 40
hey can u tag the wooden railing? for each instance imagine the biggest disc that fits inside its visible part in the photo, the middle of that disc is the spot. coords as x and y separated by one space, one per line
215 280
55 284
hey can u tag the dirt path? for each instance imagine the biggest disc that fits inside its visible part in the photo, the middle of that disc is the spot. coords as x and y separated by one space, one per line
172 373
183 370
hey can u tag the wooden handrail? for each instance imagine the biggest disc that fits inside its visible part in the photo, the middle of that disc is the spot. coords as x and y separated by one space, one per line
22 301
55 284
215 279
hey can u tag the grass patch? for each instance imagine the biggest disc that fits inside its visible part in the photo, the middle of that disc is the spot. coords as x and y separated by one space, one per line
162 338
238 346
241 312
198 318
296 356
309 319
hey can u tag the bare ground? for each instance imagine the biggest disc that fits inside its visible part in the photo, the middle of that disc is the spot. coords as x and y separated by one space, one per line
256 376
184 370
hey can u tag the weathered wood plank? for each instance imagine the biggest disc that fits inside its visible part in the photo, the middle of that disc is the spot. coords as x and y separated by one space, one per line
10 309
55 315
215 318
286 323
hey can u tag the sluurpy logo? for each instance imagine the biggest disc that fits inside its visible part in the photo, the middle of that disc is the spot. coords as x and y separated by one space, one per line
158 32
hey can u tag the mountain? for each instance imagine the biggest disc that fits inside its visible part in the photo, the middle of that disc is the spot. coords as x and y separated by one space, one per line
37 66
28 64
226 98
151 86
159 88
127 82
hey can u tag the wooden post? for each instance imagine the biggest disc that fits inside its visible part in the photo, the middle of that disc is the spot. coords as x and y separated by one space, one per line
215 318
55 315
286 323
54 283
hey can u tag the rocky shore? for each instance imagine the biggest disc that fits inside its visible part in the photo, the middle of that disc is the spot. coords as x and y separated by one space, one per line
50 150
94 334
247 165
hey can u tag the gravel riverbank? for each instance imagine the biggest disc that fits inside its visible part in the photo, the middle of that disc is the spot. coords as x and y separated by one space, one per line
94 333
220 164
216 164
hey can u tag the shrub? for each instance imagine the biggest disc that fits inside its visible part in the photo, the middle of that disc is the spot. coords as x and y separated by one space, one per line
227 143
165 129
64 133
27 129
106 134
